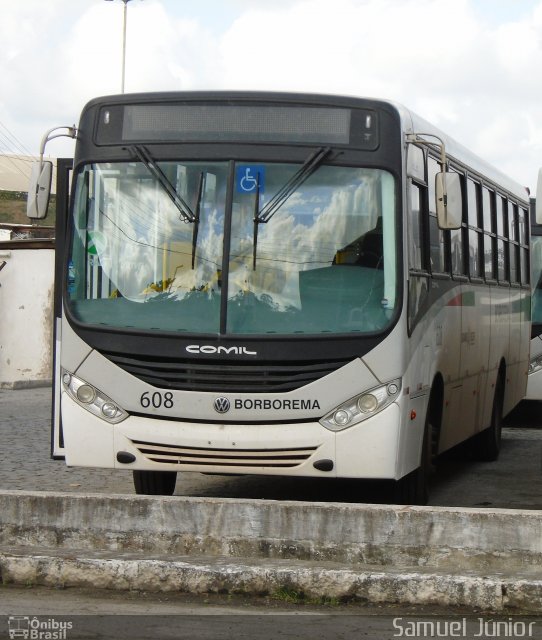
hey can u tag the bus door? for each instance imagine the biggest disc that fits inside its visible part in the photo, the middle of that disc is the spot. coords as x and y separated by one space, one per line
63 181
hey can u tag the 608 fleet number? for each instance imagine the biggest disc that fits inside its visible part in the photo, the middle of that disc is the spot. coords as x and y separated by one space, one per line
156 400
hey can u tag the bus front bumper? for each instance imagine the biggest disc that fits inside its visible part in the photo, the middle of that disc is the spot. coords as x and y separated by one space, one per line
366 450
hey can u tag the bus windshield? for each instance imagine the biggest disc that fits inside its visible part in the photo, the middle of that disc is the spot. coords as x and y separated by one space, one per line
324 263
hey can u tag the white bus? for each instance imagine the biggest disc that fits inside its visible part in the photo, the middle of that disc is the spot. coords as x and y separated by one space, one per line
285 284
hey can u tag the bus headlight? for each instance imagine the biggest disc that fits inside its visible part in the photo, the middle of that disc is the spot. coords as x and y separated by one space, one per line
92 399
362 406
86 394
367 403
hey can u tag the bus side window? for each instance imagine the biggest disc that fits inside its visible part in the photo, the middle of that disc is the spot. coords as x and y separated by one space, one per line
457 243
474 234
524 246
415 245
487 213
436 235
418 285
502 266
513 242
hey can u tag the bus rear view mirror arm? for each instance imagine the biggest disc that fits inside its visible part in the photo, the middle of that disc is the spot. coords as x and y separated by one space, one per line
449 203
39 190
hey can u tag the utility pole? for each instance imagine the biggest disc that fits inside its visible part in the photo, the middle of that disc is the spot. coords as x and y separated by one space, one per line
125 15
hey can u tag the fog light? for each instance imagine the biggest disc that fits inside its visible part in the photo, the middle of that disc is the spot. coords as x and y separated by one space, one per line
341 417
392 389
85 393
109 410
367 403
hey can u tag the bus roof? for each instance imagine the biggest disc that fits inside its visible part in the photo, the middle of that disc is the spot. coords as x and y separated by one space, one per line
410 121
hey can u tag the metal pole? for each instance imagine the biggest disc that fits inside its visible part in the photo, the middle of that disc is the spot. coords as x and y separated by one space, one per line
124 20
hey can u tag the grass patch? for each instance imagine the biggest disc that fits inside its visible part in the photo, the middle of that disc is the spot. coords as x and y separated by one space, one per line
289 595
13 208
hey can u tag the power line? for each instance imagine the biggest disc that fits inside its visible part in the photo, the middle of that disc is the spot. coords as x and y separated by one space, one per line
15 141
16 166
14 150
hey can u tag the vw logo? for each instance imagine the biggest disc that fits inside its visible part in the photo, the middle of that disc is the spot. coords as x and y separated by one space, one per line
221 405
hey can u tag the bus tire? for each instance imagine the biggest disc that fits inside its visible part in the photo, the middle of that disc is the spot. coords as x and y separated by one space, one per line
486 445
155 483
414 487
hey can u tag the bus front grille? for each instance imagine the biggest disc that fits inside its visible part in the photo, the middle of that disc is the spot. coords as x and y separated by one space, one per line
201 457
264 377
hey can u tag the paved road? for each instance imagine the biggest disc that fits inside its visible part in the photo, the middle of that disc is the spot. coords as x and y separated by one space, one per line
515 481
136 615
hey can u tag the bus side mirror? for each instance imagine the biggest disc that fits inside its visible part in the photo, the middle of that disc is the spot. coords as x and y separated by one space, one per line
39 190
449 200
538 204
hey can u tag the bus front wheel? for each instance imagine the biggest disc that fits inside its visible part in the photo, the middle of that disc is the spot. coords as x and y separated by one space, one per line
414 487
155 483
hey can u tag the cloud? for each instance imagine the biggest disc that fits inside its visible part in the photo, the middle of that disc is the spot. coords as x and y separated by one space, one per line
472 76
438 57
349 46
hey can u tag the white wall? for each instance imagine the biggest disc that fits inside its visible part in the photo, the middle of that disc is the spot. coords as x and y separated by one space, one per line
26 315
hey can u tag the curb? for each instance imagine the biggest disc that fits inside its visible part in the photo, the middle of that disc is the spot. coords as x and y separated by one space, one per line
308 580
484 559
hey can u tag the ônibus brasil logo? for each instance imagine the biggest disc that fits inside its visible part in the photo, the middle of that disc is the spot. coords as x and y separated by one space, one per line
34 628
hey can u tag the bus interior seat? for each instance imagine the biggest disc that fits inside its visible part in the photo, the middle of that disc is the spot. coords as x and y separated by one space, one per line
365 251
372 248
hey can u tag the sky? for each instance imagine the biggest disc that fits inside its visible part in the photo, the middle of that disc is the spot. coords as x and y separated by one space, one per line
471 67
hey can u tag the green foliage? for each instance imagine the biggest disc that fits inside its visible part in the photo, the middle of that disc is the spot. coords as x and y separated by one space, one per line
290 595
13 195
13 208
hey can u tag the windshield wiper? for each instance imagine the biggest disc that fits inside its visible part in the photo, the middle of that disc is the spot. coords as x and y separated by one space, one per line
195 230
256 222
303 173
268 211
186 213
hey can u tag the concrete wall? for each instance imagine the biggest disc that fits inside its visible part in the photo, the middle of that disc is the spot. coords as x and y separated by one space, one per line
486 560
26 308
442 538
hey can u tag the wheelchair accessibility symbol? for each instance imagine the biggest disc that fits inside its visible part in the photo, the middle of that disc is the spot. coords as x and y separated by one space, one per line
250 178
